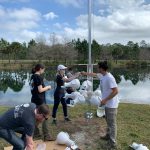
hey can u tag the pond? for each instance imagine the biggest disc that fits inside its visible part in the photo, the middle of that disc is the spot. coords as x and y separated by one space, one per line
134 85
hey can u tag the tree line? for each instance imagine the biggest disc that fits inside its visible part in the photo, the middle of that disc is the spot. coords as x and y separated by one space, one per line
74 51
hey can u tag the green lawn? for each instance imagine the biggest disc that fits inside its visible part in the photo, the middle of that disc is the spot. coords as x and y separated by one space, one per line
133 126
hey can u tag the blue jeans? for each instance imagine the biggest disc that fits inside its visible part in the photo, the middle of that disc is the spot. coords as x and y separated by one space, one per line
11 137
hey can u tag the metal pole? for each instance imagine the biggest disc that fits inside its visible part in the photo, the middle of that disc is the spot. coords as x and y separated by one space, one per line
90 66
89 114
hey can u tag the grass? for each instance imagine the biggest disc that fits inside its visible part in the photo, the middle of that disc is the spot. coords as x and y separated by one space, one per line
133 122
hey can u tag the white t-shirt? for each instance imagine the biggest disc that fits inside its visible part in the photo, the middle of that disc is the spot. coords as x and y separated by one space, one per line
107 82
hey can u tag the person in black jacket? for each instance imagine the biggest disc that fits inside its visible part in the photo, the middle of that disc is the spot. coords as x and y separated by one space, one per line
60 92
38 90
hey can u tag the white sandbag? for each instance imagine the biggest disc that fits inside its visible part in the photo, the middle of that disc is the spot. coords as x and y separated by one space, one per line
63 138
75 84
84 93
137 146
100 111
86 85
41 146
73 95
79 99
95 100
97 93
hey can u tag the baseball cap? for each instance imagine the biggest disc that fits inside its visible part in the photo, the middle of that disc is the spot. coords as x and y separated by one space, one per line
60 67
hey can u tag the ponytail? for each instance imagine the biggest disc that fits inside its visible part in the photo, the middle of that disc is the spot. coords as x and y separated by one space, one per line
37 68
33 71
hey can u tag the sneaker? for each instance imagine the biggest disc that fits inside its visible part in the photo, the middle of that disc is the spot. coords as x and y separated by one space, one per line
54 122
67 119
70 105
48 138
106 137
112 145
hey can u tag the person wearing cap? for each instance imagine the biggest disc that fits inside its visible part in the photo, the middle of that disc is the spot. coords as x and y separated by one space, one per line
22 119
69 72
60 92
109 91
69 90
38 90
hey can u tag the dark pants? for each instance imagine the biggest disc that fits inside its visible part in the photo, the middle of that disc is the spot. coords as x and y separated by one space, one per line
45 128
11 137
56 104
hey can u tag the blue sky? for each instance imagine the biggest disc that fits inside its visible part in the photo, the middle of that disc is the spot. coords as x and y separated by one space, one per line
113 21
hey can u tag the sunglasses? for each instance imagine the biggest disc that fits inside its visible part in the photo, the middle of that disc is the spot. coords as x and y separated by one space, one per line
45 117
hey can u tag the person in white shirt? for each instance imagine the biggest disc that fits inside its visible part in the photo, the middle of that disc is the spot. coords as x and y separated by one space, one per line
109 91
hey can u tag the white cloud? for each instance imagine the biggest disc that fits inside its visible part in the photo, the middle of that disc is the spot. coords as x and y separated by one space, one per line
124 4
12 20
27 14
17 23
50 15
21 36
74 3
58 25
119 26
76 33
27 35
115 21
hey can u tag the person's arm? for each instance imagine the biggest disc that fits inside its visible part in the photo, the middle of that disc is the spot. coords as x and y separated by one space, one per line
29 143
43 89
92 74
39 82
110 96
71 78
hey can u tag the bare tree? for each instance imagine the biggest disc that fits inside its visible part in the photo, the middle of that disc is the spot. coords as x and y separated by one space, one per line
53 39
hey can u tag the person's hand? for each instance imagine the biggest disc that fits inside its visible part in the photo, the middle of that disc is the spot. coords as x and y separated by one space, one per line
29 143
83 73
49 87
103 102
77 74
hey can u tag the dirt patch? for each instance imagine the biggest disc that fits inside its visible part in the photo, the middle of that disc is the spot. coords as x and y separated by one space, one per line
86 133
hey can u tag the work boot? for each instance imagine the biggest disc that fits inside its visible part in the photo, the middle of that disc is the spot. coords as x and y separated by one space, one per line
54 122
37 133
112 145
48 138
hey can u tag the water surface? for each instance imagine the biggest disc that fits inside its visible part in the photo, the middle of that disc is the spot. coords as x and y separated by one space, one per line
134 85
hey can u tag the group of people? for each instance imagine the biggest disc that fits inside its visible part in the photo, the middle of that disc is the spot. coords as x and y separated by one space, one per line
25 118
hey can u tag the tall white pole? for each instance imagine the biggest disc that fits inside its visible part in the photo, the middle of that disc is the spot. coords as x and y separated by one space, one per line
90 66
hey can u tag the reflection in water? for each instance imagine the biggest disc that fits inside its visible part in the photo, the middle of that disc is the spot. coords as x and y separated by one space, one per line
133 86
14 87
14 80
